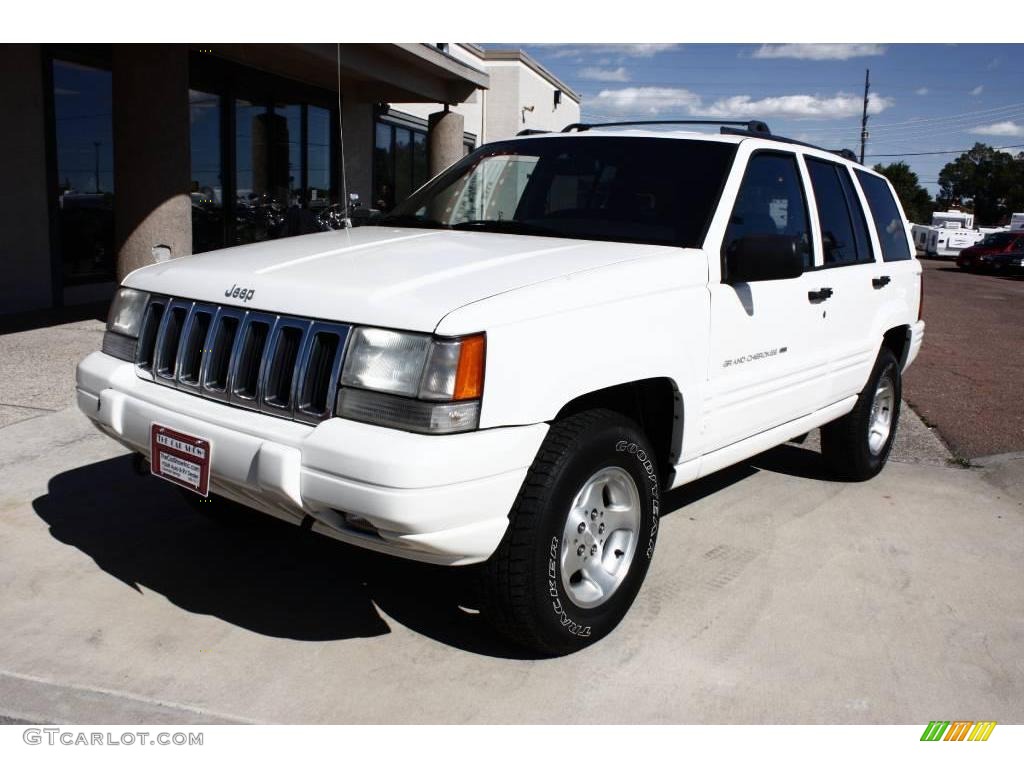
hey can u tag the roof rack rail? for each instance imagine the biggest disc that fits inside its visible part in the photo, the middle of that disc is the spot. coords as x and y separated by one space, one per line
531 132
758 127
846 154
754 128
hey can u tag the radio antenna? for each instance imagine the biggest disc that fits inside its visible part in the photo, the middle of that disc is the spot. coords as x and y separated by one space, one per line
341 145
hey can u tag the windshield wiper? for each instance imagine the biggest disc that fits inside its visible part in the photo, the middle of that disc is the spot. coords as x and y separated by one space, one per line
509 226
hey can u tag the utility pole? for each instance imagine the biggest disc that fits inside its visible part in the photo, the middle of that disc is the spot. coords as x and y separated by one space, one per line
864 116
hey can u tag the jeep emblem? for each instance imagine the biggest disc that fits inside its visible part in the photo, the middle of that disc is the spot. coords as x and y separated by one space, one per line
234 292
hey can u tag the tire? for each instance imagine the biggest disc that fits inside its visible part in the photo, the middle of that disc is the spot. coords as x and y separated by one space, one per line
857 445
599 461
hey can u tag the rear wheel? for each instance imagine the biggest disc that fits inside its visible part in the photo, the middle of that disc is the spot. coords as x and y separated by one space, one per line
581 536
857 445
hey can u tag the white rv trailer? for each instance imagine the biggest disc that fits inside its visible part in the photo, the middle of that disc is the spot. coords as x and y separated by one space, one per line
947 242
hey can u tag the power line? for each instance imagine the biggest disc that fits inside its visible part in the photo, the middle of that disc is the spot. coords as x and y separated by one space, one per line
942 152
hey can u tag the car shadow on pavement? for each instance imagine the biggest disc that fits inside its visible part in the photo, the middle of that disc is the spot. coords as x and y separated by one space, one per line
258 573
267 576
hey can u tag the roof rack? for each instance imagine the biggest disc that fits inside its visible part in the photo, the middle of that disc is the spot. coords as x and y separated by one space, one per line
754 128
531 132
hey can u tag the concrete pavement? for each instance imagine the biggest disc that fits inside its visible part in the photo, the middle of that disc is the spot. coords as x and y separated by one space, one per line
776 596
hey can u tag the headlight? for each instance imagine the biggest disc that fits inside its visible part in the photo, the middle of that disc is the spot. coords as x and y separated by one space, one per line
124 322
413 381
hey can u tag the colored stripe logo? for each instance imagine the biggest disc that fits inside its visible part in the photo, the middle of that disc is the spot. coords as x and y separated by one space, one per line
958 730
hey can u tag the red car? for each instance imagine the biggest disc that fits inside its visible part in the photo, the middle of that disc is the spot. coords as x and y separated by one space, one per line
997 252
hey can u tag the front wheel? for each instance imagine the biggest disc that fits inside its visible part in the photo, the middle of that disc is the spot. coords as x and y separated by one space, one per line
581 536
857 445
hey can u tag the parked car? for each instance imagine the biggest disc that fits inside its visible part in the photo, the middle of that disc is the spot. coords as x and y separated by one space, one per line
999 251
514 365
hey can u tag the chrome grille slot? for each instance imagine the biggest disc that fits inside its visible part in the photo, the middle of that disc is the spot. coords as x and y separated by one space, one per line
146 351
222 344
248 362
280 372
168 340
193 344
319 376
280 365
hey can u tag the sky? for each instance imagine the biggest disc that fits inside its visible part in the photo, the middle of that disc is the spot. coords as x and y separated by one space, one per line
924 98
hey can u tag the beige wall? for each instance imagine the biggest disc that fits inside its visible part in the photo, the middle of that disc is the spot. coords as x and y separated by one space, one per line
24 216
497 113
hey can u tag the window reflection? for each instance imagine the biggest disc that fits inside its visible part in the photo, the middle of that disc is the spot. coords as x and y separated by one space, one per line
400 164
318 140
207 187
85 171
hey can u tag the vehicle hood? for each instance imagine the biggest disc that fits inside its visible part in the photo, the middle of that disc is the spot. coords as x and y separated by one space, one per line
396 277
981 250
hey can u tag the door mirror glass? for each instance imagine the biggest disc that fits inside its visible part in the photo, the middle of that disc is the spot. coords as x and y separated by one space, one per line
764 257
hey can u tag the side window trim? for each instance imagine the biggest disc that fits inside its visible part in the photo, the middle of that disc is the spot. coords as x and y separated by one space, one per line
842 168
869 219
879 248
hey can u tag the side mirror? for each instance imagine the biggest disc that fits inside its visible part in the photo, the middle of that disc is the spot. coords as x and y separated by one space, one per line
763 257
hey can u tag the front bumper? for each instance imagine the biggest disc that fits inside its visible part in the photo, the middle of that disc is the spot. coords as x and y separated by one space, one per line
435 498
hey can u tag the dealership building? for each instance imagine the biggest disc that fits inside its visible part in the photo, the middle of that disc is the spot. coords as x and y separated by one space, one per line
122 155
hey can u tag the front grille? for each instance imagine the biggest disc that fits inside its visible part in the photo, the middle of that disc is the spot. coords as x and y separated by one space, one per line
277 364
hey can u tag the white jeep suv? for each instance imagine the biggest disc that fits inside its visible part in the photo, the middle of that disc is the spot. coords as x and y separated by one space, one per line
512 366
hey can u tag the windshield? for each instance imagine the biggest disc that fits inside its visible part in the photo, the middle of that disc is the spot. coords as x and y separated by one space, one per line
997 239
647 190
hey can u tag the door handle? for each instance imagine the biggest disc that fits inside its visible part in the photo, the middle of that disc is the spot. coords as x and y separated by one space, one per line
880 282
824 294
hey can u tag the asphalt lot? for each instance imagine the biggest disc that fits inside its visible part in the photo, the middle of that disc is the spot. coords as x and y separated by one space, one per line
968 380
776 595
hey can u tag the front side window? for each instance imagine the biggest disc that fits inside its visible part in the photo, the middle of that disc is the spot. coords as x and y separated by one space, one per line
658 191
843 232
771 202
892 230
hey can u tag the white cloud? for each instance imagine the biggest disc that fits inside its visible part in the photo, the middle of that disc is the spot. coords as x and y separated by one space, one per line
1004 128
604 75
646 100
921 91
654 101
819 51
797 105
628 50
976 91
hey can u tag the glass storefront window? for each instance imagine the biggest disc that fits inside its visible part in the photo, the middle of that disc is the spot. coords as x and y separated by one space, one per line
400 163
318 143
259 214
207 187
85 171
383 167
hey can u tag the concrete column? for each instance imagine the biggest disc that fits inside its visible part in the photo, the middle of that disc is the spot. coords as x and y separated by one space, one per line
24 216
152 207
444 140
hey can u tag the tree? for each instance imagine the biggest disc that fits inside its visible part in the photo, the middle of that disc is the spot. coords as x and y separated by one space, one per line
986 179
917 203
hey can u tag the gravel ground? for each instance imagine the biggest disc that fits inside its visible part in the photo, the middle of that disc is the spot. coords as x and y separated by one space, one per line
967 381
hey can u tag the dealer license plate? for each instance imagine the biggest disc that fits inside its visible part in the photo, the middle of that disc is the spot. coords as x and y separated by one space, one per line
180 458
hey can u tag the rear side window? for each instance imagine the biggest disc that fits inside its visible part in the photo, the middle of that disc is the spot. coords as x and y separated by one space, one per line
771 202
892 233
842 226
